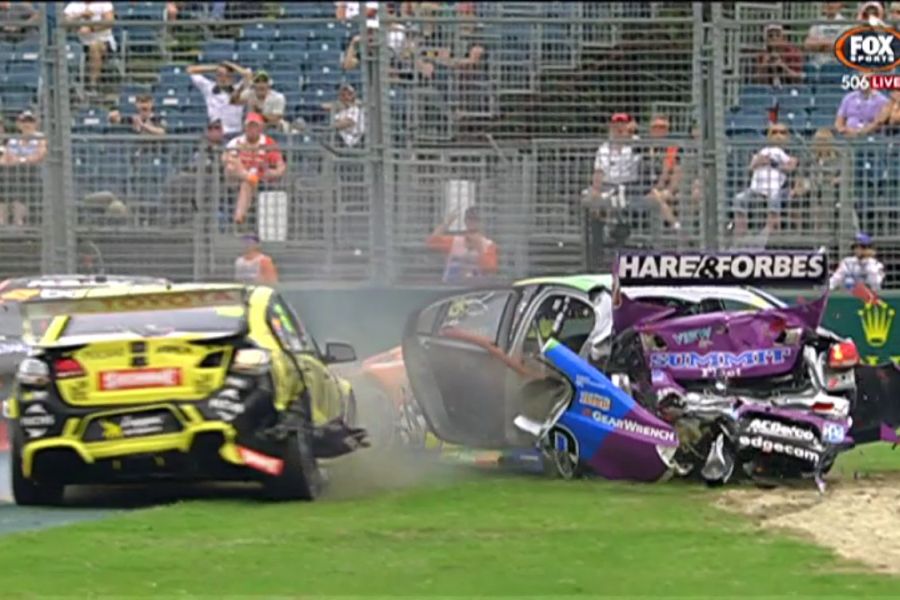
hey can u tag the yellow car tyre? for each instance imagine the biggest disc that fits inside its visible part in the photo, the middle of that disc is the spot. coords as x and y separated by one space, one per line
29 492
300 479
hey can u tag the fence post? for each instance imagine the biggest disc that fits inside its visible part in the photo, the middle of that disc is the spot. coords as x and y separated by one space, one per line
713 139
59 219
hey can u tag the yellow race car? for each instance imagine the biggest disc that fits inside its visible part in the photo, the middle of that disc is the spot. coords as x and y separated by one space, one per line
196 382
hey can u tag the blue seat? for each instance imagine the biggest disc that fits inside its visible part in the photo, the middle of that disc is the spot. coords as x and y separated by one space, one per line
289 52
6 51
135 35
756 96
175 80
294 32
214 51
249 46
93 120
18 68
171 98
744 122
259 32
26 51
29 81
74 52
143 11
828 100
307 9
797 99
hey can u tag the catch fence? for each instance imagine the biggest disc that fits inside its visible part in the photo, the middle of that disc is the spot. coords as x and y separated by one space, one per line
503 106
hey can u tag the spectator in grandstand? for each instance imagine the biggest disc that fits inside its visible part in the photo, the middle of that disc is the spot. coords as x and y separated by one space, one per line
858 111
218 95
262 99
894 13
815 190
181 189
145 122
871 13
249 159
664 169
345 11
861 268
888 118
97 39
21 170
253 266
822 36
348 116
781 63
17 21
616 164
470 254
769 170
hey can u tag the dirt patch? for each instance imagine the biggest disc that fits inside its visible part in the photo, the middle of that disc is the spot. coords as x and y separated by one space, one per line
854 518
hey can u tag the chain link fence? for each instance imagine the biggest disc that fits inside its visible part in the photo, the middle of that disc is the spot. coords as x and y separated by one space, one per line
574 128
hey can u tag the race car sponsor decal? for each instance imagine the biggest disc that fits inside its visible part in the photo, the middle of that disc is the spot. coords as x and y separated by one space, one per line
833 433
129 425
693 336
595 400
719 360
781 430
657 376
227 404
633 427
139 378
769 446
173 349
13 348
772 268
140 302
261 462
36 420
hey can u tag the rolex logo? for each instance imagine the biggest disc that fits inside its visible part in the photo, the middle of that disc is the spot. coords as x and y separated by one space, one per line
877 319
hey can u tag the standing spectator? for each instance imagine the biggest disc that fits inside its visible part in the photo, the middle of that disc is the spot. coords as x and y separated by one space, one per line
97 39
822 36
262 99
218 94
817 188
470 254
858 111
146 121
181 189
664 170
769 168
253 266
17 20
22 170
349 118
861 268
781 63
249 159
616 164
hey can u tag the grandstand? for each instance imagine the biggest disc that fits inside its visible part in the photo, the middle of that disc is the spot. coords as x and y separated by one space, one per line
500 104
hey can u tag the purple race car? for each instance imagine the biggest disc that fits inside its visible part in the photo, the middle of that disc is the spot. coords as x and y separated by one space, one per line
672 367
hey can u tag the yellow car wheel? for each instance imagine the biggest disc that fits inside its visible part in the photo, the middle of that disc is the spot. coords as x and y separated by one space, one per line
300 478
28 492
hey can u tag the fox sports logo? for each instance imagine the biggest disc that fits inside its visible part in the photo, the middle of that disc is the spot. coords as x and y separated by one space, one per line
869 48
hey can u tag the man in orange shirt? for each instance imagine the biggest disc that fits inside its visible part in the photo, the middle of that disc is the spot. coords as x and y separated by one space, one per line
253 266
470 254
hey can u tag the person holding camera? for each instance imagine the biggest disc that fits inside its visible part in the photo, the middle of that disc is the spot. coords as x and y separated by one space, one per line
781 63
769 170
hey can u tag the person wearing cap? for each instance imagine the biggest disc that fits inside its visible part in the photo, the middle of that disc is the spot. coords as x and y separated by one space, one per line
871 13
262 99
253 266
861 268
616 163
249 159
21 173
470 254
780 63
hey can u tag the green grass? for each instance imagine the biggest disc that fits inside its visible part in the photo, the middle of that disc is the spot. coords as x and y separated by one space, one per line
481 535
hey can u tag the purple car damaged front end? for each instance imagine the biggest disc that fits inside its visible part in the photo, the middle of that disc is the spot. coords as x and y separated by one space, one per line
757 393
